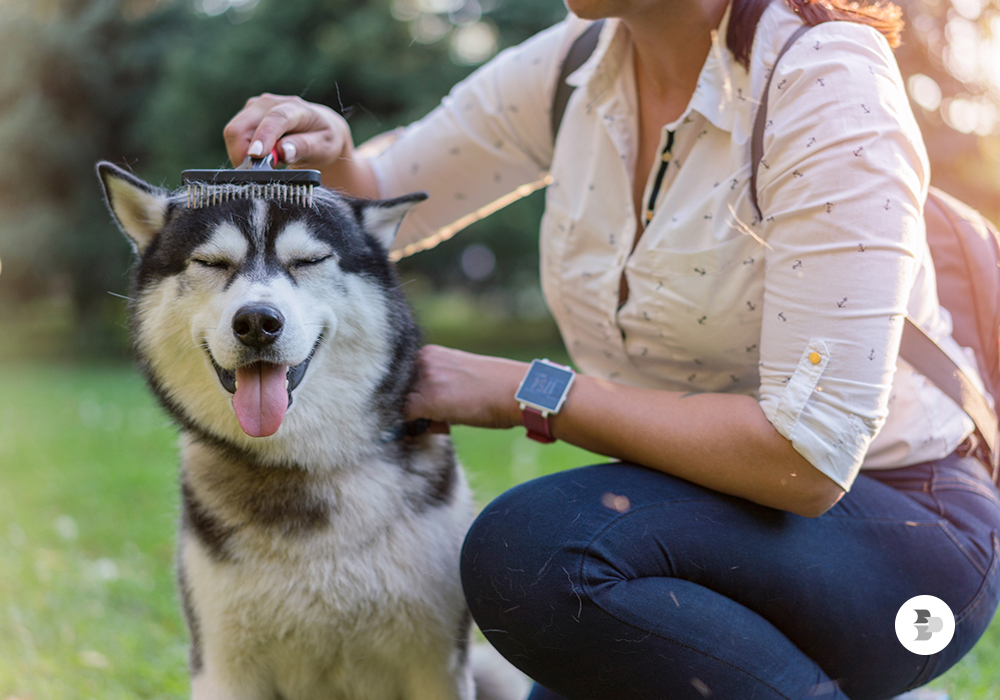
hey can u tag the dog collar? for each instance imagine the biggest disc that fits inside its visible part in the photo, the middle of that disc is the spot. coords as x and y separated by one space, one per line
542 393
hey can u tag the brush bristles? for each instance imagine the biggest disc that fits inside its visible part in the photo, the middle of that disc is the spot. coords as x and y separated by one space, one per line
207 195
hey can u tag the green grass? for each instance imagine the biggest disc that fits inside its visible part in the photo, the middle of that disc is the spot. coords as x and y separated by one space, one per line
88 505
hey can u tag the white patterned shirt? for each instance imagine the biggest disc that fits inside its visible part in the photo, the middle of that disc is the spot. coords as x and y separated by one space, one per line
803 310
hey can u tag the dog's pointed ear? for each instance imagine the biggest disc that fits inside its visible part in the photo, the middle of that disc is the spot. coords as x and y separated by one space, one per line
139 208
382 217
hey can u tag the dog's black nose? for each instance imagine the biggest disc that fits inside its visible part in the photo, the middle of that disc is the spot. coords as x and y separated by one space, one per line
258 325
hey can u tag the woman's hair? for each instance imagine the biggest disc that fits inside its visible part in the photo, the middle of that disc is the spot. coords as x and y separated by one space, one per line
745 14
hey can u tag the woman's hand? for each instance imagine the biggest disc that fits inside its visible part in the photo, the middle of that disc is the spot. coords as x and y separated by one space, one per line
459 387
307 136
314 135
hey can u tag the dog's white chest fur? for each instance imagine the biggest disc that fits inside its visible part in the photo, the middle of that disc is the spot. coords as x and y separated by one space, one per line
361 603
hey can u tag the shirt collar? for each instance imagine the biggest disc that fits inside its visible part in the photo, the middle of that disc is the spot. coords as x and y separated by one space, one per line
723 84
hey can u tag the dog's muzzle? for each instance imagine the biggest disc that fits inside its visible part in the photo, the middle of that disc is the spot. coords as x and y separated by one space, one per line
259 388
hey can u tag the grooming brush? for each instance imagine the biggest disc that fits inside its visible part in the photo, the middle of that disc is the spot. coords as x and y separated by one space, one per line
254 178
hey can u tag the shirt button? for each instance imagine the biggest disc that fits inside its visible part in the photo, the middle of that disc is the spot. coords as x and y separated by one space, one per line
814 357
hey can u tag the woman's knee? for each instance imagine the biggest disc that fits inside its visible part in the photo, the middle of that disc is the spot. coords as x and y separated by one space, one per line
499 555
523 540
518 551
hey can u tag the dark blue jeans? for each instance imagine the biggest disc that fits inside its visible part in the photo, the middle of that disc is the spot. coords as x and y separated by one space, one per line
617 581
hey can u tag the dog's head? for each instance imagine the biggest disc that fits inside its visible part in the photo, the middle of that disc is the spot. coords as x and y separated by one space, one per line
247 307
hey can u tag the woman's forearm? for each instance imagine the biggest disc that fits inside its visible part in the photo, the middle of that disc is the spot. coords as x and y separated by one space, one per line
720 441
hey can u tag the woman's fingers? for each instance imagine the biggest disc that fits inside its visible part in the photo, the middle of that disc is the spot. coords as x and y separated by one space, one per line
239 131
311 148
313 134
459 387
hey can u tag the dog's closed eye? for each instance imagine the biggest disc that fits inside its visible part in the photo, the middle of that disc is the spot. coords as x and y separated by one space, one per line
303 263
213 263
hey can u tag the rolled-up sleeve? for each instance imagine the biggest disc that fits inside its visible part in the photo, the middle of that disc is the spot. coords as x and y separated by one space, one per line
841 187
489 136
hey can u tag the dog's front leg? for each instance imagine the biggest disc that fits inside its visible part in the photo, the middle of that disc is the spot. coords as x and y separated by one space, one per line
213 683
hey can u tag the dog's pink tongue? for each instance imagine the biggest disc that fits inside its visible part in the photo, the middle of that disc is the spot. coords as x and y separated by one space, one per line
261 398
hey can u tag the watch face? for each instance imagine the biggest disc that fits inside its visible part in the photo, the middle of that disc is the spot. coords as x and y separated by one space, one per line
545 386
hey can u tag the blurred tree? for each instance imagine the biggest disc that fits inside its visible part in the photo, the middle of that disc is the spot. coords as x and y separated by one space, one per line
73 73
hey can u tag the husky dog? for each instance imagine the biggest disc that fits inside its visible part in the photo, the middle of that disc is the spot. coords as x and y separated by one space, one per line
319 541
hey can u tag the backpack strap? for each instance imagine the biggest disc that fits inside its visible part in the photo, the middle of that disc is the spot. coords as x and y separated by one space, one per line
579 52
757 142
927 357
916 347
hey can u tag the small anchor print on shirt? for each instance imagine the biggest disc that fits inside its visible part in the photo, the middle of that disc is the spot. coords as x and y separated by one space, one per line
841 303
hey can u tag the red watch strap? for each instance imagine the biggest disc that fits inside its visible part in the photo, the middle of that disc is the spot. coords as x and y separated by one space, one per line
537 425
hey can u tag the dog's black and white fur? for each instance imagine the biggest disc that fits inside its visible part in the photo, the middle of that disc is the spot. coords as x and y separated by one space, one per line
320 561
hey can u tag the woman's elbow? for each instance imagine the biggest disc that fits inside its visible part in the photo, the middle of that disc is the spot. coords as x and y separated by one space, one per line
820 497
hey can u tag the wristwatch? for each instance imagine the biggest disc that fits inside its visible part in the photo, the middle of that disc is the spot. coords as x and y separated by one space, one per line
542 392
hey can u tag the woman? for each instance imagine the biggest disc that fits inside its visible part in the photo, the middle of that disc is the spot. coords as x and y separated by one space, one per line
797 485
